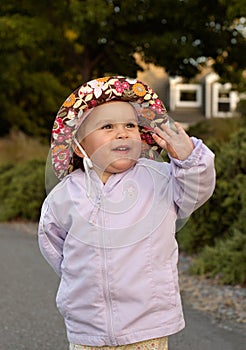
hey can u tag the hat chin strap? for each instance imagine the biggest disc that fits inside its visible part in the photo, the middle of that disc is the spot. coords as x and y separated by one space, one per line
86 158
87 165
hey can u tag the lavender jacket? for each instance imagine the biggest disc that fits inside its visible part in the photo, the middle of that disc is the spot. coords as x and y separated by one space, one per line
115 250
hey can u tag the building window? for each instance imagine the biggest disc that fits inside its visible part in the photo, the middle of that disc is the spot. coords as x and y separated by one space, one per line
224 107
224 94
224 100
224 104
188 95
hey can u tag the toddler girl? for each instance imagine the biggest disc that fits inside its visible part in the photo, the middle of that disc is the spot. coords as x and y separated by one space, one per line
108 227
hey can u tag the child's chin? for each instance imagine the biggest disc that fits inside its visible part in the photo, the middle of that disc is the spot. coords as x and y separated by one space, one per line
122 165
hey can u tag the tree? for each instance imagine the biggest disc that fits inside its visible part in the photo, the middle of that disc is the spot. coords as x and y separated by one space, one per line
30 71
178 35
192 32
49 48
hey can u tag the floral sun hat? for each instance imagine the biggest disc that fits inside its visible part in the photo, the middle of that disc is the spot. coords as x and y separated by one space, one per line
150 111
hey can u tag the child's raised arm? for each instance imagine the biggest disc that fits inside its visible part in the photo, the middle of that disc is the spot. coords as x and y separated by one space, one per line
177 143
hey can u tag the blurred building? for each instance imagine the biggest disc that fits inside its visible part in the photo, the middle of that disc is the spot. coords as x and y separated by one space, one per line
203 97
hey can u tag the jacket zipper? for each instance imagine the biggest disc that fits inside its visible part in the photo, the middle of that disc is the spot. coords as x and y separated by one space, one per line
108 303
94 214
106 287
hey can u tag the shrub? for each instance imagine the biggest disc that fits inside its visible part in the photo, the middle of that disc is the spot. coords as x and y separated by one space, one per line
216 231
22 190
216 217
226 261
216 130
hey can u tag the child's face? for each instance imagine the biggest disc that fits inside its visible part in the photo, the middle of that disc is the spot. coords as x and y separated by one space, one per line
111 138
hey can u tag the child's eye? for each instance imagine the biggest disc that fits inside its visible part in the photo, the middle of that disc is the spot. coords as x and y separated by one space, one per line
107 126
131 125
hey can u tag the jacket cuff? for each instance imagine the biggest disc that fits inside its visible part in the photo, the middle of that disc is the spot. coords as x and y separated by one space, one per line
194 157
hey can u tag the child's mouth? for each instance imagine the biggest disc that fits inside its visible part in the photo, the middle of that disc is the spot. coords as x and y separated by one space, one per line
123 149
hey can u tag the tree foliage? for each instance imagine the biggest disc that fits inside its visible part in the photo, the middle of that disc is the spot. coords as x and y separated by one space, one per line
22 190
49 48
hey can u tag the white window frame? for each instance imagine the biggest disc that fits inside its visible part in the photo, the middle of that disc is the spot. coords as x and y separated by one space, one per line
188 87
231 100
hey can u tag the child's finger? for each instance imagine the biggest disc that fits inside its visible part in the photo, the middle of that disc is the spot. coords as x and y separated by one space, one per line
161 142
179 128
163 132
168 130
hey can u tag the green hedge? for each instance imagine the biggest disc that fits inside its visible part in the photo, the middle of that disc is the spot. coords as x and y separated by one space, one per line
226 261
22 190
217 230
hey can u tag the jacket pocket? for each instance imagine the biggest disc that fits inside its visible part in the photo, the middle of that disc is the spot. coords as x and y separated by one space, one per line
167 286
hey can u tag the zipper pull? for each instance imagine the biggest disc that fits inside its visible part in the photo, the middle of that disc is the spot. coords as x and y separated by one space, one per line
93 217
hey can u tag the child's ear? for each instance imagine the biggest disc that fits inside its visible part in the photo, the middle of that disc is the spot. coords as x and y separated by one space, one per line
78 152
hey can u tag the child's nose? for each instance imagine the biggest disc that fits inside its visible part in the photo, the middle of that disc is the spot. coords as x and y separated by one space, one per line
121 132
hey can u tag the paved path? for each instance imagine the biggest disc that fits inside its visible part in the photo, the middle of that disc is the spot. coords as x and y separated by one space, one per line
29 319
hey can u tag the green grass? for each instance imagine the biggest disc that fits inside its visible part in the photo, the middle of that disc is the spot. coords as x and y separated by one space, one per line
18 147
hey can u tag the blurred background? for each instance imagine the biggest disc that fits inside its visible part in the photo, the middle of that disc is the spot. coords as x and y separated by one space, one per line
193 54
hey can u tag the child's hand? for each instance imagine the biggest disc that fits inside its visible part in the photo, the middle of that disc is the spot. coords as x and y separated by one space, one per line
178 144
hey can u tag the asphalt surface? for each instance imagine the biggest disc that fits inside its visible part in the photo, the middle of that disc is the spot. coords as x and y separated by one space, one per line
29 319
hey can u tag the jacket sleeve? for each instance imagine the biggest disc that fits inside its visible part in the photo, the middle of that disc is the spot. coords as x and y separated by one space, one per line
51 237
193 179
